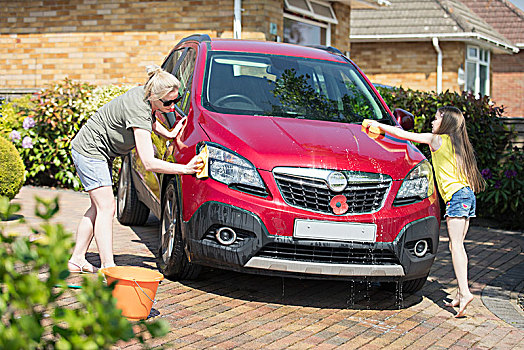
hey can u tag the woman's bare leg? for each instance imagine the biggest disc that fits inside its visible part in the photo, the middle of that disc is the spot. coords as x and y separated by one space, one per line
84 236
105 205
457 229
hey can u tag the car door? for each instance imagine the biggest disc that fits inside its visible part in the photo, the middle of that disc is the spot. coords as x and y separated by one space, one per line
183 70
163 148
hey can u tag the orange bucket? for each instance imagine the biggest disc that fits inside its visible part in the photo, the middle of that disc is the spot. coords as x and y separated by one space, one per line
135 289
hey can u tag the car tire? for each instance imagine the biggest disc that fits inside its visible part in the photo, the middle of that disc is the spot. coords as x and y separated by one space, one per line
130 210
413 286
408 287
172 260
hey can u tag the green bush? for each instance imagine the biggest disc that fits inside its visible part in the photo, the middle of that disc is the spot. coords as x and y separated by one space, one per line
33 285
13 113
11 169
488 135
43 133
504 194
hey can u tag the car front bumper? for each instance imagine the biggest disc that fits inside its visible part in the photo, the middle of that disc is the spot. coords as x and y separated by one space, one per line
258 251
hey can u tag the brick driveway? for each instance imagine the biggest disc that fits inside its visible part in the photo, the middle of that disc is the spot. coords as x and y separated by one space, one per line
226 310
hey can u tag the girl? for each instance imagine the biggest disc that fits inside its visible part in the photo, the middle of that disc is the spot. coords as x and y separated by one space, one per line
457 178
114 130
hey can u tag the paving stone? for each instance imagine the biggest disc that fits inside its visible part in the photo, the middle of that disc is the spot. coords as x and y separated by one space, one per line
230 310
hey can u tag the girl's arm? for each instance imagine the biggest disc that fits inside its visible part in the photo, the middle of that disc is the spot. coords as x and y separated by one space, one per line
144 147
433 140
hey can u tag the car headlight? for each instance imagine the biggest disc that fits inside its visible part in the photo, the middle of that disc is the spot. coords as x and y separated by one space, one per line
231 169
417 185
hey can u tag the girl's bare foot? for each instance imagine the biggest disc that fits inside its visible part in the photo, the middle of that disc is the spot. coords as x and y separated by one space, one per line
464 302
453 303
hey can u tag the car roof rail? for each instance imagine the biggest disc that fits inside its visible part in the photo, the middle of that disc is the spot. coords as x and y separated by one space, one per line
327 48
196 37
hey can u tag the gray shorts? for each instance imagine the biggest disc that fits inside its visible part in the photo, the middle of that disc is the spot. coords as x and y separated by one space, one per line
93 173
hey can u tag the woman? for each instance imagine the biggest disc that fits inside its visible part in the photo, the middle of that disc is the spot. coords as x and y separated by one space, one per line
457 178
114 130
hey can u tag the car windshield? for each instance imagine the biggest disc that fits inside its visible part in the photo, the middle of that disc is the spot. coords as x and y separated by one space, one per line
285 86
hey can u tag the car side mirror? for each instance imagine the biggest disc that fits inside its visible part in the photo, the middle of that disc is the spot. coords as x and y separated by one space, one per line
404 118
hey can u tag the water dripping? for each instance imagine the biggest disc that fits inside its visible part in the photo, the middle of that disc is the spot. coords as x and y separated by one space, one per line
399 295
351 297
283 282
368 294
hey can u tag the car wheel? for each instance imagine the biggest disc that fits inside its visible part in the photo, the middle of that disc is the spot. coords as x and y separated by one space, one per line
172 260
408 287
413 286
129 209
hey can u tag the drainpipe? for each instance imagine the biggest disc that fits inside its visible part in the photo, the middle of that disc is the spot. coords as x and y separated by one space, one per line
237 21
439 65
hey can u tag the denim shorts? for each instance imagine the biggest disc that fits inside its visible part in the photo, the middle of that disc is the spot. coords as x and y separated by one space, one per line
93 173
462 204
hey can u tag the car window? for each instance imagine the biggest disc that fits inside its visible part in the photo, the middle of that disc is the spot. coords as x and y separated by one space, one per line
171 62
284 86
184 74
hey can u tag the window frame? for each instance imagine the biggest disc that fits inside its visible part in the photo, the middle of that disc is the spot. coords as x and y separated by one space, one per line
311 12
482 58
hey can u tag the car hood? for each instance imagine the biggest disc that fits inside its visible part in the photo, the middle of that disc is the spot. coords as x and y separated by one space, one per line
269 142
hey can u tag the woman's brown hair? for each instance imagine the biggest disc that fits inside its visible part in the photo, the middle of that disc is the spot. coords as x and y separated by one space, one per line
454 125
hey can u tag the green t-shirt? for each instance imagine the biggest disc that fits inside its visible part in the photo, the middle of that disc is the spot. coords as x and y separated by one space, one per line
109 132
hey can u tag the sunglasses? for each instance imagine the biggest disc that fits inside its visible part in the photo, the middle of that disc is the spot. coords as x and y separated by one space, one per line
170 102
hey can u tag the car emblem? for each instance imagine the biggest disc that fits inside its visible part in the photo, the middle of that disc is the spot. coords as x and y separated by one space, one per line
339 204
337 181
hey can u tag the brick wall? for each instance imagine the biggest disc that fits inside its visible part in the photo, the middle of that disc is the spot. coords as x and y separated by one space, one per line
110 41
508 83
257 16
340 31
409 64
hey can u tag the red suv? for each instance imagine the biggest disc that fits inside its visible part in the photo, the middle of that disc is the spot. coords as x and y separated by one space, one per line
296 187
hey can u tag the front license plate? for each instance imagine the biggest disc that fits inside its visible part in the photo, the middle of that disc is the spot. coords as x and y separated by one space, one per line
335 231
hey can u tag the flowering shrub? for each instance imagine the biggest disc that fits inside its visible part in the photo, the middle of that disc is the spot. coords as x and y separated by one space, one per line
43 130
504 195
13 113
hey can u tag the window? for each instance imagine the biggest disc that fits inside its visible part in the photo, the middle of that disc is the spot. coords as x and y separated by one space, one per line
180 63
184 74
308 22
298 31
318 10
288 87
477 70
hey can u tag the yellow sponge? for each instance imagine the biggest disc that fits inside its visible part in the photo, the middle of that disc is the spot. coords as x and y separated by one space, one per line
372 129
204 154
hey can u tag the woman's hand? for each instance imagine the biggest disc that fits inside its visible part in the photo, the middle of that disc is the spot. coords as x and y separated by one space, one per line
194 165
178 127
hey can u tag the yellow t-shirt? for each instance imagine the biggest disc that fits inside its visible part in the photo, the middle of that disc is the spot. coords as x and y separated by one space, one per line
446 172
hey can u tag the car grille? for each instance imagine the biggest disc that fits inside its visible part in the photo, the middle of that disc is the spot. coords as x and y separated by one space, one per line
314 194
335 255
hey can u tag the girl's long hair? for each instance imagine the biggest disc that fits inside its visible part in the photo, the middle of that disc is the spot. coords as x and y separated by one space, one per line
454 125
159 83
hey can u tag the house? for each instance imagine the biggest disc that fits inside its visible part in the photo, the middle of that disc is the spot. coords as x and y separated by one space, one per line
507 70
111 42
439 45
